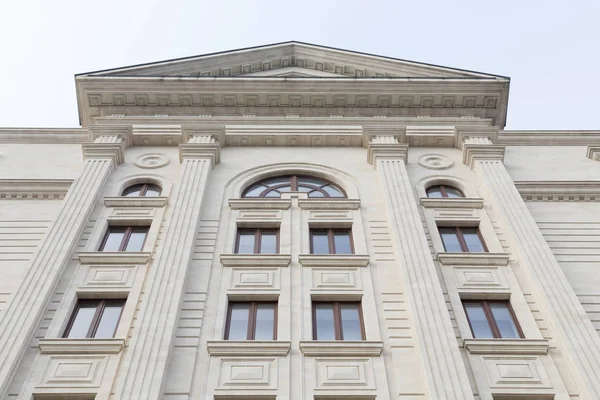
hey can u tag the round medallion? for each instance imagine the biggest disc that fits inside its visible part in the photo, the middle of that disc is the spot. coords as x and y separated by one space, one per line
435 161
152 160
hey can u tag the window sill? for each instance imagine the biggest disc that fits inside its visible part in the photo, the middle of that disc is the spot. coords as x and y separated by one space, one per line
506 346
427 202
117 257
333 260
248 347
260 204
329 204
255 260
341 348
473 258
81 346
119 201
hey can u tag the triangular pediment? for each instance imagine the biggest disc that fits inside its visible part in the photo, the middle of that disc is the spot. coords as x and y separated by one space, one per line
291 60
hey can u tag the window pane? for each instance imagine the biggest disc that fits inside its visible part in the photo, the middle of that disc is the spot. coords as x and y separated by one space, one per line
137 238
311 181
478 321
452 192
265 322
114 239
450 240
254 191
320 242
305 188
283 189
472 239
333 191
434 191
279 180
504 321
132 190
238 324
325 328
109 320
152 191
83 319
273 193
316 193
342 243
268 243
351 329
246 242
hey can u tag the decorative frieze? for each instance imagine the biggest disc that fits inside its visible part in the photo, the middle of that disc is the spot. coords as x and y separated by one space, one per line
34 189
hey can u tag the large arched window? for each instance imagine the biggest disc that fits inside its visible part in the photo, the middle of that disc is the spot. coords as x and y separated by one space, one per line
273 187
443 191
142 189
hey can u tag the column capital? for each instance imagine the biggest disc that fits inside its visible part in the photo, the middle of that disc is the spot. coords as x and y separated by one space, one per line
481 148
593 153
201 146
386 147
103 147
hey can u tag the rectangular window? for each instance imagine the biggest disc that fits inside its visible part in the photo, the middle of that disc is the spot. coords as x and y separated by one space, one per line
331 241
251 321
338 321
124 238
492 319
257 241
462 240
95 319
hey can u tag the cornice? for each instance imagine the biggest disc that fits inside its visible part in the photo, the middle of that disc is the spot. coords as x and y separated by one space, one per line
123 201
548 138
468 203
559 190
255 260
81 346
341 348
34 189
121 257
334 260
44 135
473 258
247 348
507 346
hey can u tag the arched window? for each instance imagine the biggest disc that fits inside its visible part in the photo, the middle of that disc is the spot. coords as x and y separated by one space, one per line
142 189
273 187
443 191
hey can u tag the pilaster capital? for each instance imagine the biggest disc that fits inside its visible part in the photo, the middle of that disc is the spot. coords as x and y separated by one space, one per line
481 148
105 147
199 147
593 153
386 147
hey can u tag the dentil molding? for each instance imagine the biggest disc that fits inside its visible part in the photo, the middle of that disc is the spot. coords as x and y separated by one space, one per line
34 189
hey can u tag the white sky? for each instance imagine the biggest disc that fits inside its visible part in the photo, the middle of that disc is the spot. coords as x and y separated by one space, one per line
550 49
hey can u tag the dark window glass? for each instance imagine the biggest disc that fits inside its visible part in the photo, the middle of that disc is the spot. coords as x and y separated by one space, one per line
257 241
337 321
443 191
251 321
95 319
492 319
464 240
142 189
273 187
124 238
331 241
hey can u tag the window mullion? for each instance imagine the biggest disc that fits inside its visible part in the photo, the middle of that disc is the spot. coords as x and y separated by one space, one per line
461 240
331 241
257 240
443 191
251 321
96 320
125 239
336 321
491 320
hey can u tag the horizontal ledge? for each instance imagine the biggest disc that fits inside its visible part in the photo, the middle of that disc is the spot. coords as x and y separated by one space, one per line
333 260
255 260
260 204
248 347
473 258
451 202
341 348
121 201
121 257
506 346
81 346
329 204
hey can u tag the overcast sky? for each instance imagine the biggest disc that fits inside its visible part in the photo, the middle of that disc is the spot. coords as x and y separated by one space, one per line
550 49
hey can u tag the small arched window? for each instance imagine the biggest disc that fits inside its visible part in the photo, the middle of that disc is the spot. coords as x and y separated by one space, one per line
142 189
443 191
273 187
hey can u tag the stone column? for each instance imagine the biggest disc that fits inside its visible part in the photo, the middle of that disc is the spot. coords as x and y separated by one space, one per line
443 368
570 325
144 365
21 317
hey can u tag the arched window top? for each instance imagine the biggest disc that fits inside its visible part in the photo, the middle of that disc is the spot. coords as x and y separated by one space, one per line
443 191
142 189
273 187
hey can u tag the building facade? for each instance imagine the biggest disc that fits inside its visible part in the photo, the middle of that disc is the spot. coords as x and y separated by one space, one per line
298 222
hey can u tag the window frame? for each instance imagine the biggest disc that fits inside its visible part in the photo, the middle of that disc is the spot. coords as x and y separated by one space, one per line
143 190
293 184
126 236
461 239
253 306
485 305
258 233
101 305
337 318
442 189
331 238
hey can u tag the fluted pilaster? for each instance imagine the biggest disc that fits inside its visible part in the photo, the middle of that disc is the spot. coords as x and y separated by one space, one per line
145 363
26 307
570 324
443 368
